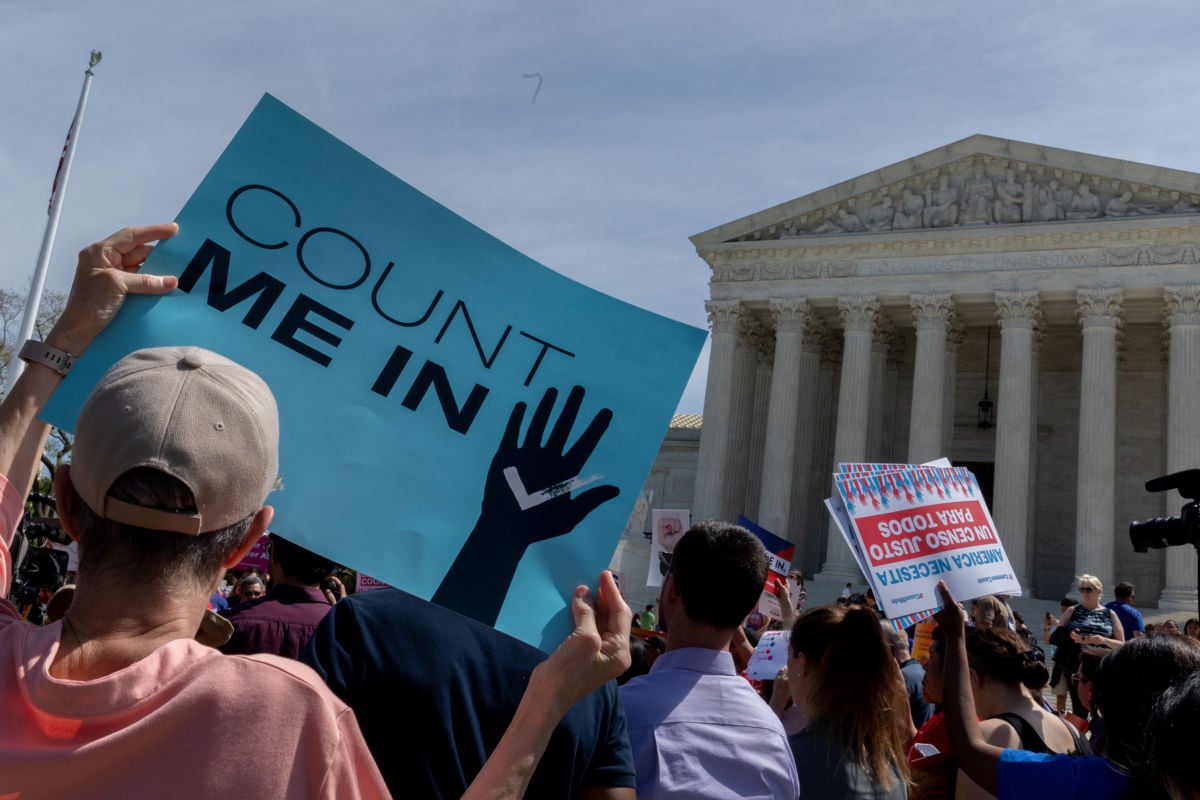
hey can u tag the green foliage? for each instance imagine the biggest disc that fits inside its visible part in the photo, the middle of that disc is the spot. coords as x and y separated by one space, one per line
12 311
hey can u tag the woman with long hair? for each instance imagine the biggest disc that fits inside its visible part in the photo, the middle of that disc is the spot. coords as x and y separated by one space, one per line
1001 668
842 676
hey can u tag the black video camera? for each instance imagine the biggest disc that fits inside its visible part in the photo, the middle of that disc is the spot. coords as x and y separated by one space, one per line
1170 531
43 568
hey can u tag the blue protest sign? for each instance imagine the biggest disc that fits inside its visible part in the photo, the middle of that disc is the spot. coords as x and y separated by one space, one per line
424 371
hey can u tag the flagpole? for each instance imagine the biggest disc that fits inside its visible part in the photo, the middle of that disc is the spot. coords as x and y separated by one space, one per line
34 299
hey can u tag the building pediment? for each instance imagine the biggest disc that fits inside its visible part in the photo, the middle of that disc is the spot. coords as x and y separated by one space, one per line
976 182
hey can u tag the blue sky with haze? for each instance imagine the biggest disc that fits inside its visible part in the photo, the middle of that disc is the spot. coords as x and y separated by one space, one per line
655 120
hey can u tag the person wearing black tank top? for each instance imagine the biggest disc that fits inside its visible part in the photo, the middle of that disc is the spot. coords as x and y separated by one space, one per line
1001 668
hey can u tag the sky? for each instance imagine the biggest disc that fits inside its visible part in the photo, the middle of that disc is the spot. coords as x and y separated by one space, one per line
654 121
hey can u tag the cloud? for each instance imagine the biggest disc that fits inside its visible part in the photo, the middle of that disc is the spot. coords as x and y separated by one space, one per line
654 122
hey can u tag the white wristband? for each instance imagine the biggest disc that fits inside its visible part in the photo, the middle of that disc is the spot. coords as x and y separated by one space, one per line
34 351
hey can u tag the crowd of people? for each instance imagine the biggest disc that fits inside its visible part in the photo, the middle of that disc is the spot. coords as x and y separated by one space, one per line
144 682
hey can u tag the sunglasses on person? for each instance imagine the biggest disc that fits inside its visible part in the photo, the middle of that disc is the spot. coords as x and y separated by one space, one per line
1087 588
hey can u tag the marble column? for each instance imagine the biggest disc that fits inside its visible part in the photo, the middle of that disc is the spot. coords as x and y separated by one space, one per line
812 426
881 344
1095 507
1017 313
764 352
1183 434
783 415
814 520
931 317
954 338
712 460
1031 484
741 418
860 316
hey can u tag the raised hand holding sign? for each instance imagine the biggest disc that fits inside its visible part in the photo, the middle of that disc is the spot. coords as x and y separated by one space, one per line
398 339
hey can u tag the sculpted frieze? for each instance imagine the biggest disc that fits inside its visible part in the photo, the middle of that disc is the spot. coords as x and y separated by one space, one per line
775 271
743 272
983 192
1153 255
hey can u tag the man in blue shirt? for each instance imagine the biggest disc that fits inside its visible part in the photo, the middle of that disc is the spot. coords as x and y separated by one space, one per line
697 728
1131 619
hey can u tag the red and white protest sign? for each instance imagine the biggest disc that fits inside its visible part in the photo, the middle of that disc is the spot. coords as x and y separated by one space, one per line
916 526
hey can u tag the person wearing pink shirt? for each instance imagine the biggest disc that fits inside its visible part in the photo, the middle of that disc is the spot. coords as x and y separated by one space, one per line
175 453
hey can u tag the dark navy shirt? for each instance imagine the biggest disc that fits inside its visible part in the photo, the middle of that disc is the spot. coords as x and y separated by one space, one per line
434 691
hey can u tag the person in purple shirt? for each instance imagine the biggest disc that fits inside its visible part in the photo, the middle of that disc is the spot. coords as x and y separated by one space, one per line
283 620
697 728
1131 619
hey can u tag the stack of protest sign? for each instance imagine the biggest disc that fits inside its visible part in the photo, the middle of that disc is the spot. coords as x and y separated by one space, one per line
911 525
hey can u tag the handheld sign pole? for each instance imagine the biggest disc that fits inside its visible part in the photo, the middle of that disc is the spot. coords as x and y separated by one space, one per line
34 298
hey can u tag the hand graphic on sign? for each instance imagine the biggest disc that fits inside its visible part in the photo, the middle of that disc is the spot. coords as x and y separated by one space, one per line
526 499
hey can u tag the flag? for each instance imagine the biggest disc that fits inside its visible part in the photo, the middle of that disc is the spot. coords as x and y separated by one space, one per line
58 172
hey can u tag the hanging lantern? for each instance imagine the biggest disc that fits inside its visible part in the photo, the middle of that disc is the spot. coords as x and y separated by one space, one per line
985 403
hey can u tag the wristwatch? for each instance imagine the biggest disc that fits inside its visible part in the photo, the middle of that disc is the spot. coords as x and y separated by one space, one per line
37 352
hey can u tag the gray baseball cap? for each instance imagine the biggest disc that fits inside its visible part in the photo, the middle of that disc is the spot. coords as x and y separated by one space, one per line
190 413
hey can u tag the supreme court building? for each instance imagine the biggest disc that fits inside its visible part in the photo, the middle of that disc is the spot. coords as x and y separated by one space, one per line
866 321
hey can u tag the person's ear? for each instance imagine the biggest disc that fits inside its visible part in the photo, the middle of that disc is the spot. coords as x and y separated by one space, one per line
258 526
670 593
668 600
65 499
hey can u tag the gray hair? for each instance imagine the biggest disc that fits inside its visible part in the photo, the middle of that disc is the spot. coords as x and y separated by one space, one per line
251 580
115 550
897 641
